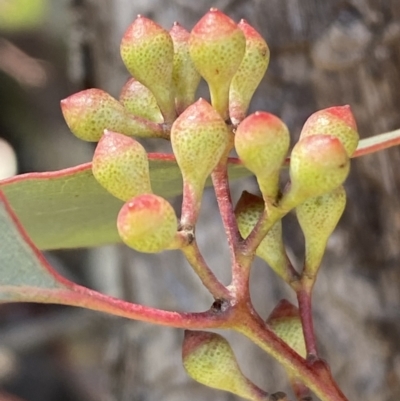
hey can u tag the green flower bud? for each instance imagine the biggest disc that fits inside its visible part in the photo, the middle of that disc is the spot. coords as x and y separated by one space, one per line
147 223
318 218
121 166
262 141
248 76
284 320
336 121
185 77
147 52
318 164
139 101
217 47
271 249
209 359
90 112
199 138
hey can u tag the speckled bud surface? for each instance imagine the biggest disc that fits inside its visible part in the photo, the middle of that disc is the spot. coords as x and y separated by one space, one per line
337 121
199 137
251 70
318 164
147 52
185 77
120 165
139 101
147 223
262 141
88 113
217 47
209 359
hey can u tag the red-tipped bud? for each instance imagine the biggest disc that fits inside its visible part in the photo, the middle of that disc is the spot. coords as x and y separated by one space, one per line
248 76
90 112
185 77
120 165
147 223
271 249
337 121
284 320
217 48
318 217
262 141
147 52
139 101
209 359
318 164
199 138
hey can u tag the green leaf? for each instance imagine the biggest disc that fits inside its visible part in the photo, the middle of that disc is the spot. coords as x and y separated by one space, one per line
69 209
23 270
26 276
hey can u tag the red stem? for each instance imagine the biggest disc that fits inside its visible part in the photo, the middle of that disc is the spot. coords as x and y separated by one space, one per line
207 277
76 295
305 310
315 376
222 192
191 204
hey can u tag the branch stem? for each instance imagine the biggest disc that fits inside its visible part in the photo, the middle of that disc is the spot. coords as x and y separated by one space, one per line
201 268
222 192
315 376
304 296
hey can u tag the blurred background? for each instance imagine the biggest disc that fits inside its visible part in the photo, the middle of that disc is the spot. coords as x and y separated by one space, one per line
322 54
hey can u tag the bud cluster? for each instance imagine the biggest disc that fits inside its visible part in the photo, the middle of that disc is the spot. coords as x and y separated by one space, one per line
159 101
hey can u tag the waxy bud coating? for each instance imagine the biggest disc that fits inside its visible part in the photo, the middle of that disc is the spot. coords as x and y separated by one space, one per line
318 164
88 113
318 217
185 77
147 52
248 76
147 223
217 47
262 141
121 166
139 101
209 359
337 121
271 249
